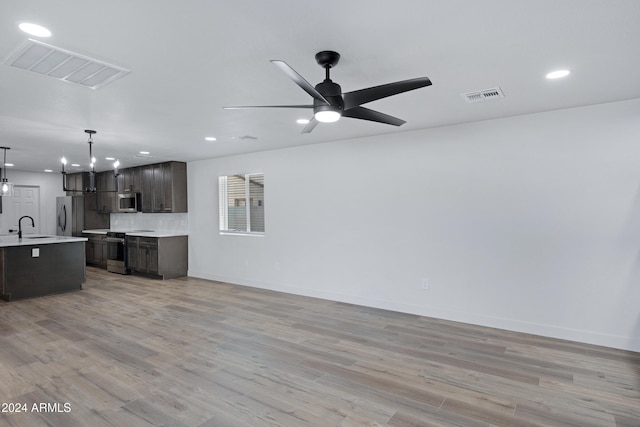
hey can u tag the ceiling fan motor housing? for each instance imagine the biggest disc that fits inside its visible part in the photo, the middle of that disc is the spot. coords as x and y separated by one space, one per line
333 93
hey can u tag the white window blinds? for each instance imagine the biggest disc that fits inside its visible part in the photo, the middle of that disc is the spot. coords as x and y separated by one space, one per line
242 203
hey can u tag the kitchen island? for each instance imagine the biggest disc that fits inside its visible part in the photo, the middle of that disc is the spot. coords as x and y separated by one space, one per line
38 265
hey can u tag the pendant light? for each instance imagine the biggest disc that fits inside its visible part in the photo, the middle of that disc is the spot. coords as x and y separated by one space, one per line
6 188
92 171
92 162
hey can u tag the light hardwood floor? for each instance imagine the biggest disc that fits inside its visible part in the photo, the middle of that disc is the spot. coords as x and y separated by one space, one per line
128 351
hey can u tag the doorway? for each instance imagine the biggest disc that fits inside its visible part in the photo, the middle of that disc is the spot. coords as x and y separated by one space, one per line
25 201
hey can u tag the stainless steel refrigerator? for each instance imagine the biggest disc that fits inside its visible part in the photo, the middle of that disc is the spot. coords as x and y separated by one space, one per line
70 215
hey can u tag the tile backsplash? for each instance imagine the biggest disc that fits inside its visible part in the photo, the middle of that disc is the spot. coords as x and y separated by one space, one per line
164 222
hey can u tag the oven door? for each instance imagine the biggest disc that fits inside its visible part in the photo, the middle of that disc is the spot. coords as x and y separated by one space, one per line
116 255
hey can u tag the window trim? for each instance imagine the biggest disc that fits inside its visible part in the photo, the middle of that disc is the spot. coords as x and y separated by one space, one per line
242 233
223 212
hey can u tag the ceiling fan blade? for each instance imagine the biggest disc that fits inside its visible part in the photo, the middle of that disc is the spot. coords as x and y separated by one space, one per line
244 107
372 115
309 127
299 80
362 96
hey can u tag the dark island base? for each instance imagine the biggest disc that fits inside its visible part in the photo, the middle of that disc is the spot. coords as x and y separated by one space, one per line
58 268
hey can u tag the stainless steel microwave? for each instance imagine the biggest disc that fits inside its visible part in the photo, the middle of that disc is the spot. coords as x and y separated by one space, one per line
128 202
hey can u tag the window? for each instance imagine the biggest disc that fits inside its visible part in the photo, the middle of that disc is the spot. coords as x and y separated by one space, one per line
242 203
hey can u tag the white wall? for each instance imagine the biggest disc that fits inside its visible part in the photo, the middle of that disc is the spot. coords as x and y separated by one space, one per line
529 223
50 187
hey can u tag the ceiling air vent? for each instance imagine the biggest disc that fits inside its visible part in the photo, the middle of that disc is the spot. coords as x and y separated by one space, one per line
64 65
481 95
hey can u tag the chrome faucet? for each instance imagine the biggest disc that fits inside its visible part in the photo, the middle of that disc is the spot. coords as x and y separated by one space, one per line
33 224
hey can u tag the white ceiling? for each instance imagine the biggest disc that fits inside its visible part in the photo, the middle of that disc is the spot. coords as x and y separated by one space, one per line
190 58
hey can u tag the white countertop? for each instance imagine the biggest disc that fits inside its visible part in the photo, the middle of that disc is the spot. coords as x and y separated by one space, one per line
36 239
138 233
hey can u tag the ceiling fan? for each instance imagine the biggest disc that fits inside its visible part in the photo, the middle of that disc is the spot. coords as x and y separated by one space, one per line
329 103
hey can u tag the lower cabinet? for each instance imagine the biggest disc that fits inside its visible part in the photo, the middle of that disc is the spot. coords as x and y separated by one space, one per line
96 250
163 257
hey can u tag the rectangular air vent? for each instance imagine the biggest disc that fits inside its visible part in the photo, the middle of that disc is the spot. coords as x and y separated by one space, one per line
64 65
481 95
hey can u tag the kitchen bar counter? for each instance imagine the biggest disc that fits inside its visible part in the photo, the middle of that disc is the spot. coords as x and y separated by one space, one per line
36 239
39 265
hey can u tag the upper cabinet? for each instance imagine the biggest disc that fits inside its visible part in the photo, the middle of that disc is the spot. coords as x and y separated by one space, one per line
162 187
105 197
147 188
169 187
77 183
130 179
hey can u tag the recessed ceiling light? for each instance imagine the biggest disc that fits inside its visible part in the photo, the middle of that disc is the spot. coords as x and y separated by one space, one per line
8 164
48 170
210 138
302 121
109 158
75 165
144 152
558 74
34 29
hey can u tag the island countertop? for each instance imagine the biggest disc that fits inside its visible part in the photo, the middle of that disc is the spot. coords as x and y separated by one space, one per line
36 239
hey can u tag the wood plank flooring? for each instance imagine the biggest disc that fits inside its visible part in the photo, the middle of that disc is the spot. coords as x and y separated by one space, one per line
128 351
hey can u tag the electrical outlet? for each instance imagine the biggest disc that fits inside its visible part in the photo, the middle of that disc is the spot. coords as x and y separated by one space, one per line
425 284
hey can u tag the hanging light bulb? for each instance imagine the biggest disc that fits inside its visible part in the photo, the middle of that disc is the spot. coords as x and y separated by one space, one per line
6 188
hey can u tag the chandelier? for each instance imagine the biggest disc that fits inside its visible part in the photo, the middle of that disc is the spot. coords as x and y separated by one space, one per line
92 172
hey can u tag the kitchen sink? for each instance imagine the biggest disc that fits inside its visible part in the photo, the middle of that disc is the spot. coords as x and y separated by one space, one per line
39 237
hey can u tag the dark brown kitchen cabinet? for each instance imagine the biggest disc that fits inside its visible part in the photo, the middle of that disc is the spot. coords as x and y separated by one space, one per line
142 254
162 257
157 193
165 187
146 196
96 250
162 187
77 183
130 179
105 196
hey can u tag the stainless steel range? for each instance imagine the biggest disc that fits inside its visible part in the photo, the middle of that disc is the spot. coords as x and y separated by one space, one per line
117 252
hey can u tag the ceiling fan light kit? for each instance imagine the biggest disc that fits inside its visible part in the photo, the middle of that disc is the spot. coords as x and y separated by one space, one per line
329 103
327 114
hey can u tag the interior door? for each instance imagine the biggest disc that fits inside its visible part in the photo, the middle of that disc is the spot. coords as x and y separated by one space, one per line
25 201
